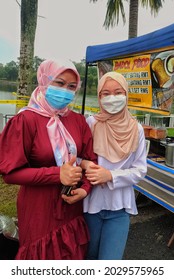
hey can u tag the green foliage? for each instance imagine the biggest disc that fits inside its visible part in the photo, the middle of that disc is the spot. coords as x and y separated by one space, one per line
154 5
8 196
114 7
2 72
8 209
9 72
92 77
36 62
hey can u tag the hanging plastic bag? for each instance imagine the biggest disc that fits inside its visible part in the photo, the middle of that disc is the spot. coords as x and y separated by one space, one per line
8 227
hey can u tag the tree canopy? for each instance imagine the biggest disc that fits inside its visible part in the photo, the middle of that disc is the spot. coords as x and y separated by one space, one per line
116 7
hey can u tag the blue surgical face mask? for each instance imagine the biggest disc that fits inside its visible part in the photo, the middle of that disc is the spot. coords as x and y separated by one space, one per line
58 97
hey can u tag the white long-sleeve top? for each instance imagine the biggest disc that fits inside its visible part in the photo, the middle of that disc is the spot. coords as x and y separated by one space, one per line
119 193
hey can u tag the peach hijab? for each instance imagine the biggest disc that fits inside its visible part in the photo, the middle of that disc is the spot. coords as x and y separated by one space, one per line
115 135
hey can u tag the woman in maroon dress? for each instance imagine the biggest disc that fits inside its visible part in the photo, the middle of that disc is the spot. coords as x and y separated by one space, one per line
41 149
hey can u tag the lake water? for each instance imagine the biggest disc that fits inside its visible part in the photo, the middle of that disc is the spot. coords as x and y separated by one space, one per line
91 101
7 110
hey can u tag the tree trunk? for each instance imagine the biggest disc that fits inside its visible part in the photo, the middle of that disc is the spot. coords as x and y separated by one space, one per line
133 18
29 10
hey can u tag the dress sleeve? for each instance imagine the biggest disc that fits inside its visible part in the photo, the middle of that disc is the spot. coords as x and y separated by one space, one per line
87 151
15 145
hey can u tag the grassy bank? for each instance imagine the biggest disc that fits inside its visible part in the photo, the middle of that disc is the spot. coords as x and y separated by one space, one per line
8 196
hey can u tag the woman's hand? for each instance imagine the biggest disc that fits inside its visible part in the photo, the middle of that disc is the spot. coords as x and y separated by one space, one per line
70 175
97 174
76 195
85 164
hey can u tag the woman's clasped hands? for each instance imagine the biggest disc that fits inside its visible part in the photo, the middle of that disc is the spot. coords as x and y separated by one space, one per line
70 175
97 174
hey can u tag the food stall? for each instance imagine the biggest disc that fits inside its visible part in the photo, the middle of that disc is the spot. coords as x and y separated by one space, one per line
158 184
147 63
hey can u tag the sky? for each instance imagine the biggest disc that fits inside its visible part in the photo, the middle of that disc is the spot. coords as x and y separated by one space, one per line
66 27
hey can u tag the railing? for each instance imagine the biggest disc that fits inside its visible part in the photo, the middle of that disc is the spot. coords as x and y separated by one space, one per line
147 119
7 117
4 119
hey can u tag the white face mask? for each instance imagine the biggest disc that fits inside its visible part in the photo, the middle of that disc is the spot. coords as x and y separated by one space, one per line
113 103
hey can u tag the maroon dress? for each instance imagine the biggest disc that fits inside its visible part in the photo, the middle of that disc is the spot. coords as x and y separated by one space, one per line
49 228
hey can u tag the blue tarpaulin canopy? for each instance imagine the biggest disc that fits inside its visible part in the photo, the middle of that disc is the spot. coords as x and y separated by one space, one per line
158 39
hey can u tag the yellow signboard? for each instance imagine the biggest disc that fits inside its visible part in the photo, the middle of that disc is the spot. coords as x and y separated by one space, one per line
150 77
136 70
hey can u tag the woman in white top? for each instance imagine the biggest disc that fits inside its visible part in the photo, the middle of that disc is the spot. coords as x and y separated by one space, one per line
119 143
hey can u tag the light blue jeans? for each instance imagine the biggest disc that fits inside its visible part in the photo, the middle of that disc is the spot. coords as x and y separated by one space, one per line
108 234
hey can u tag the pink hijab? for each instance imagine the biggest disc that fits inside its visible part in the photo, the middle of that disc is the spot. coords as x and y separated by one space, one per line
115 135
62 143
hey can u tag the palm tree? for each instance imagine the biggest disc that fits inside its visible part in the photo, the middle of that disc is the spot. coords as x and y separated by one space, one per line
29 9
114 7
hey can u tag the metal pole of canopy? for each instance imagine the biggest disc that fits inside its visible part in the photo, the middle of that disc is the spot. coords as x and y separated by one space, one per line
85 88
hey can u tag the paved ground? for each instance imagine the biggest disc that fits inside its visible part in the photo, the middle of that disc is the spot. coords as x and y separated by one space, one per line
150 233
